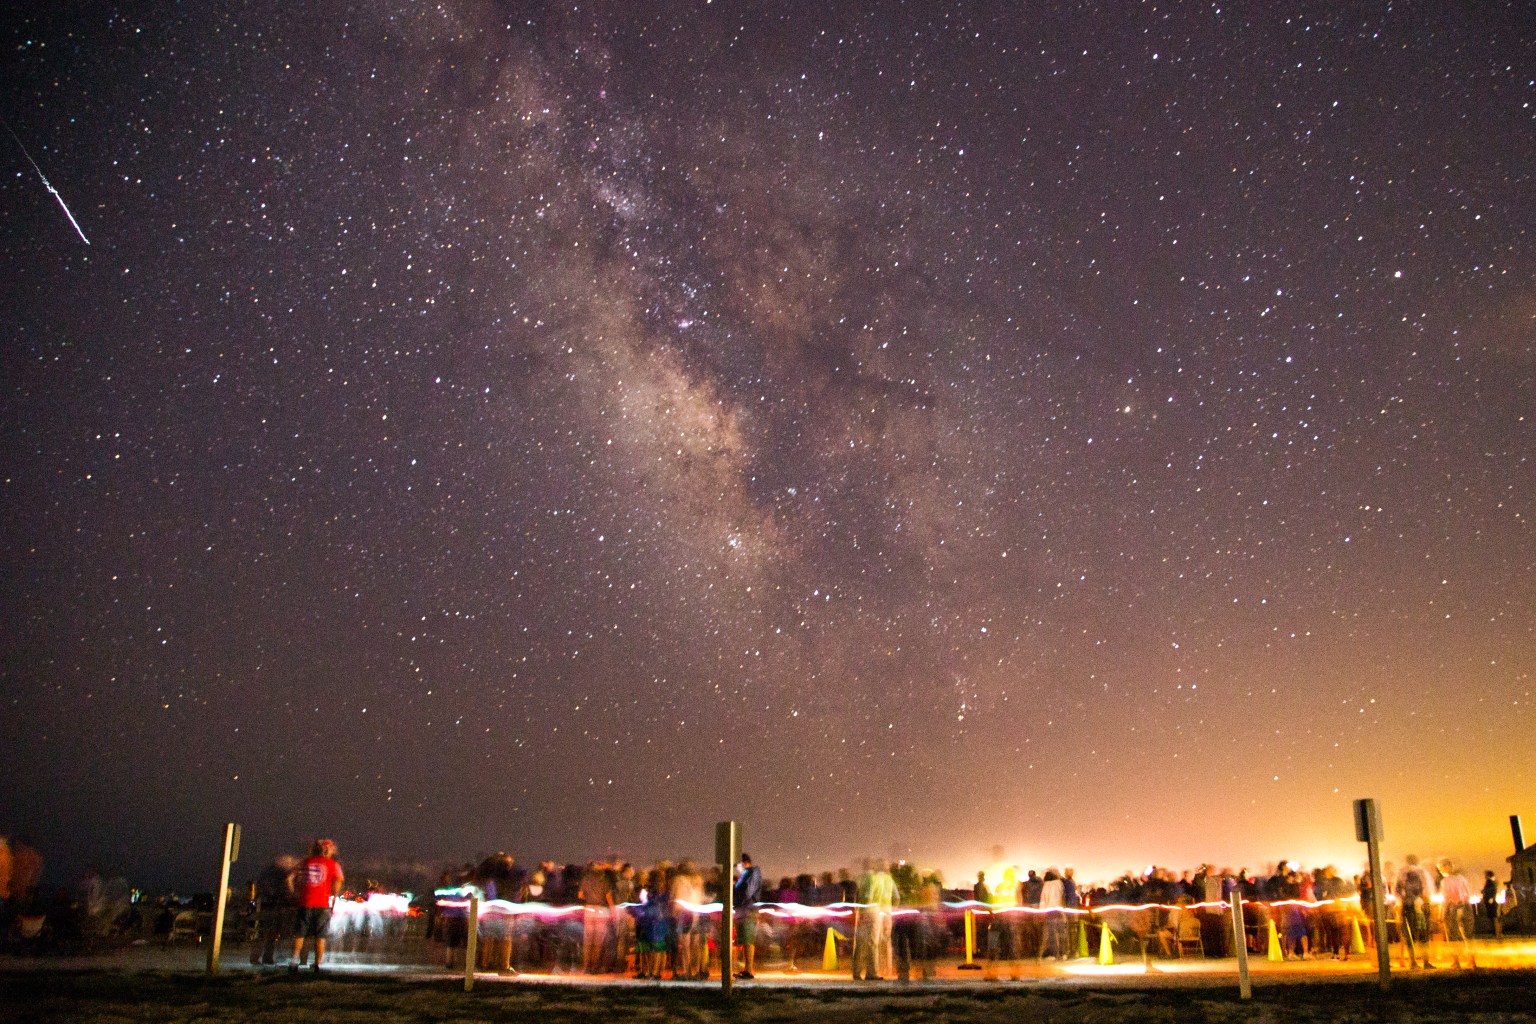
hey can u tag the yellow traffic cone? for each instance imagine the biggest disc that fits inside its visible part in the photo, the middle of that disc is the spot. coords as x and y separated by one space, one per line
829 955
1356 943
1276 954
1082 940
1106 944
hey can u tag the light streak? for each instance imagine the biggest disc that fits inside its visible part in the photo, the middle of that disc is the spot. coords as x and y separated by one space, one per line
47 184
377 904
458 899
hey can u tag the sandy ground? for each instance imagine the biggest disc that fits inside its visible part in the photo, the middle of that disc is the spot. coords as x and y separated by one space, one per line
110 997
158 985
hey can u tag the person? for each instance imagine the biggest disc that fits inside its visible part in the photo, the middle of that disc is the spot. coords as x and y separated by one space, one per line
455 888
745 893
913 934
877 894
1457 894
1295 938
625 891
1413 889
1028 925
1489 902
1332 915
597 911
687 896
1054 923
1169 931
495 875
653 925
315 884
91 899
274 907
981 892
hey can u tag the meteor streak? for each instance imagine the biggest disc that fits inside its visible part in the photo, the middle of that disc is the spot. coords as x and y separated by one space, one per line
47 184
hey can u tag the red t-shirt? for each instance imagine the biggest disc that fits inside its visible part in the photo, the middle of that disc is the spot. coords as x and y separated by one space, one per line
314 880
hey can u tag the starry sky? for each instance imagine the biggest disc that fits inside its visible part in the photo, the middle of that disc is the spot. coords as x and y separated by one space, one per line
1098 431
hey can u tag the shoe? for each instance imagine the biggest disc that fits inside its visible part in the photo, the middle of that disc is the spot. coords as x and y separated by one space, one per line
314 968
293 968
745 975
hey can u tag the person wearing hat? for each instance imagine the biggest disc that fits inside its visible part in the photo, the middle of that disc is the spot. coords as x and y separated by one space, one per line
316 883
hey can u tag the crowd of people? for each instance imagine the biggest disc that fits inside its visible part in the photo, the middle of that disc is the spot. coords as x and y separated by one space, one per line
1316 913
607 916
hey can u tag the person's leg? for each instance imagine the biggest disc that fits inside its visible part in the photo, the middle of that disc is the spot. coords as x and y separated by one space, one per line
300 932
863 953
1462 939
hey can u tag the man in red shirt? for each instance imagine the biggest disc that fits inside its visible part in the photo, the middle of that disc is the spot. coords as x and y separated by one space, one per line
316 883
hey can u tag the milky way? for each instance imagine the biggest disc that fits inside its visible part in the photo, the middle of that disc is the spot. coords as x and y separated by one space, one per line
1102 433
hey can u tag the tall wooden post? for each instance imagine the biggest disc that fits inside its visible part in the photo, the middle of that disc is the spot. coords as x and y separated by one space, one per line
1240 944
727 852
1368 831
231 854
472 943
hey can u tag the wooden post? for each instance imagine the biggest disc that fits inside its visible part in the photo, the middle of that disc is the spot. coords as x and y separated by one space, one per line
727 852
1240 944
1368 831
1379 917
472 943
231 854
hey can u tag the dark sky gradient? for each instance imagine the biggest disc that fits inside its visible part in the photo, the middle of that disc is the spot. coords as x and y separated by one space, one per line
1103 431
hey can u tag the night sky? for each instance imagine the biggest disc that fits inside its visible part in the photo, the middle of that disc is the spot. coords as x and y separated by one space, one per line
1104 431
